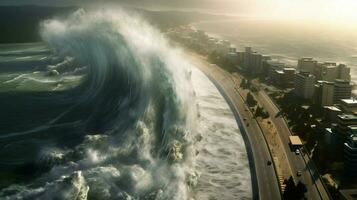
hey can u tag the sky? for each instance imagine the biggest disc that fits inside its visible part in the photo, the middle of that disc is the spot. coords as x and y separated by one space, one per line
336 11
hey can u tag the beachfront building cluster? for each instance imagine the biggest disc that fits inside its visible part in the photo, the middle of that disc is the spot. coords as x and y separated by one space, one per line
303 84
326 84
249 60
199 41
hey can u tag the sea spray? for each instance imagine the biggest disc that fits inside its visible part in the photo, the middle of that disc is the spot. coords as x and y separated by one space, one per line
136 89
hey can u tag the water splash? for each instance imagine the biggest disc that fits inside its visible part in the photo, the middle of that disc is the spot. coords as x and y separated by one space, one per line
140 94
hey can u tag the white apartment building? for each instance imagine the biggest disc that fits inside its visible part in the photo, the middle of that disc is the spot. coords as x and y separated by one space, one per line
329 72
344 72
327 92
307 65
342 90
349 105
304 85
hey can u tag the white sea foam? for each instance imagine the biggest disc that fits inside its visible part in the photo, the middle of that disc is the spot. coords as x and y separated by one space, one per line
143 93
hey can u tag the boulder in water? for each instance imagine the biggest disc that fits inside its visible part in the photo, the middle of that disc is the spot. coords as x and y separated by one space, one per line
53 73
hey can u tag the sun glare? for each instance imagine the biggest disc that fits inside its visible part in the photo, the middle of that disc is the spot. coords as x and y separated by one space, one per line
341 11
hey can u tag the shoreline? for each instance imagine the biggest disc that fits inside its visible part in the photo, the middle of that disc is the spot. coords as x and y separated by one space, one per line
248 147
261 187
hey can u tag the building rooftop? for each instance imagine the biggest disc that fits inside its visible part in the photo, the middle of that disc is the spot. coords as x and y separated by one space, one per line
332 108
353 137
295 140
232 54
329 130
353 128
322 82
342 81
349 101
304 74
352 140
275 63
331 66
307 59
347 116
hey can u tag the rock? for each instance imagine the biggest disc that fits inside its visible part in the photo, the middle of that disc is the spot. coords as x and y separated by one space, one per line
53 73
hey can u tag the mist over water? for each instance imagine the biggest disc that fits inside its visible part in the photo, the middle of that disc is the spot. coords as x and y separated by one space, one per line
117 116
290 40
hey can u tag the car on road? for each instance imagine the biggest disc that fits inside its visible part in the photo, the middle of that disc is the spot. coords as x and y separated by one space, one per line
297 152
269 162
298 173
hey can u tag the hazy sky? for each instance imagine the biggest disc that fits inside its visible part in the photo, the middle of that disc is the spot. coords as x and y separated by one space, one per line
328 10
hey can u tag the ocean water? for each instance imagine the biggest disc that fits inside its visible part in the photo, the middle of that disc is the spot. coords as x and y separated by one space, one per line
222 159
289 40
104 108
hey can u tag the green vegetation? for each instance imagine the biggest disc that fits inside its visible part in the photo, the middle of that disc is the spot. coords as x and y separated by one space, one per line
307 120
245 84
303 117
222 61
292 191
261 112
250 100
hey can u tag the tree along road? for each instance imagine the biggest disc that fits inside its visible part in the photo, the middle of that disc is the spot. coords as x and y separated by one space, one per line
309 176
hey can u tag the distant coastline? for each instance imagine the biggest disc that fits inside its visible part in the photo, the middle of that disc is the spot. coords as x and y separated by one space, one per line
288 44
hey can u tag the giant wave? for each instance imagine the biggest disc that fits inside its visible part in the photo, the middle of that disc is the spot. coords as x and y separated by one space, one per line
132 114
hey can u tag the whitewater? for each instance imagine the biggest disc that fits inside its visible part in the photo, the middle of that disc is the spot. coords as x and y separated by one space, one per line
123 115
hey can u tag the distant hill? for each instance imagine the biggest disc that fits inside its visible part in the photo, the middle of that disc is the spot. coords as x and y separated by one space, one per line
20 24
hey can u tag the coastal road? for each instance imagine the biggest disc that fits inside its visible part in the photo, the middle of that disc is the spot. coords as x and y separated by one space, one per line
309 176
264 178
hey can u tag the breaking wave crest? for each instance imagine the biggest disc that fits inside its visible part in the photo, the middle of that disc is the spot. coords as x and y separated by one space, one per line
136 93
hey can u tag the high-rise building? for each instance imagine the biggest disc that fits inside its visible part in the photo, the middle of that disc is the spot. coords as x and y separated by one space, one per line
324 93
304 85
241 56
349 105
233 57
288 78
329 72
331 113
257 63
253 62
346 121
222 47
284 78
307 65
273 66
318 71
342 90
350 155
327 93
344 72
